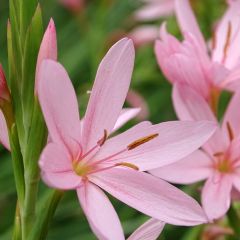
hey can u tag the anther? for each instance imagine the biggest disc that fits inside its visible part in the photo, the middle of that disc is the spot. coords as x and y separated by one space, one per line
129 165
230 131
141 141
227 43
103 139
218 154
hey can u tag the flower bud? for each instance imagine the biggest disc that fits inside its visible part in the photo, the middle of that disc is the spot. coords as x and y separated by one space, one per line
4 92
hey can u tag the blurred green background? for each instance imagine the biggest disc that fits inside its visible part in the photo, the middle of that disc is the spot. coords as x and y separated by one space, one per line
83 39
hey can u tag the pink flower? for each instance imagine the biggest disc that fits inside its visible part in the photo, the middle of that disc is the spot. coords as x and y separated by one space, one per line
218 162
188 61
81 157
154 9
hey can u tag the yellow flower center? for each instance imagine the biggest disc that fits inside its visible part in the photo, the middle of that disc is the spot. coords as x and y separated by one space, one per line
81 169
224 166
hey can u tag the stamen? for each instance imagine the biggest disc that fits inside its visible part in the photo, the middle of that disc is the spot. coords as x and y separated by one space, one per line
230 131
103 139
129 165
227 43
141 141
218 154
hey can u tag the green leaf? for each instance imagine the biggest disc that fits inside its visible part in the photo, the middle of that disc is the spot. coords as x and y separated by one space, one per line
33 40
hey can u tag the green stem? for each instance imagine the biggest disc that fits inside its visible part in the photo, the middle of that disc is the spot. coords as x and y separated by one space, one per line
234 221
36 141
17 235
45 214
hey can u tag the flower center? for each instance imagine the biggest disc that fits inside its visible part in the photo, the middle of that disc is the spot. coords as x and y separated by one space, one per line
224 165
81 169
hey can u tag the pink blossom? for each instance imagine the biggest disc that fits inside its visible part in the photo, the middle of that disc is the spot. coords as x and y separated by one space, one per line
154 9
189 62
218 162
81 157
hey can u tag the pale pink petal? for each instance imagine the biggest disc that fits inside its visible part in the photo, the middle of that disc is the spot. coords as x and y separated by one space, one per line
216 195
191 106
126 115
56 168
150 230
230 23
176 140
150 195
62 181
232 80
193 168
59 103
232 115
4 132
48 48
109 92
187 21
236 179
155 10
144 35
100 213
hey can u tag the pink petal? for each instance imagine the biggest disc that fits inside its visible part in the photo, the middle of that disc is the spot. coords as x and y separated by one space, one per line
187 21
191 106
197 166
232 115
216 195
151 196
59 103
150 230
4 132
100 213
236 182
56 168
109 92
176 140
48 47
143 35
231 16
186 101
126 115
155 10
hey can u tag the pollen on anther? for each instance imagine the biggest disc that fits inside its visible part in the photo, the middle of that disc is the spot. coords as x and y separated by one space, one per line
227 42
103 139
129 165
230 131
141 141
